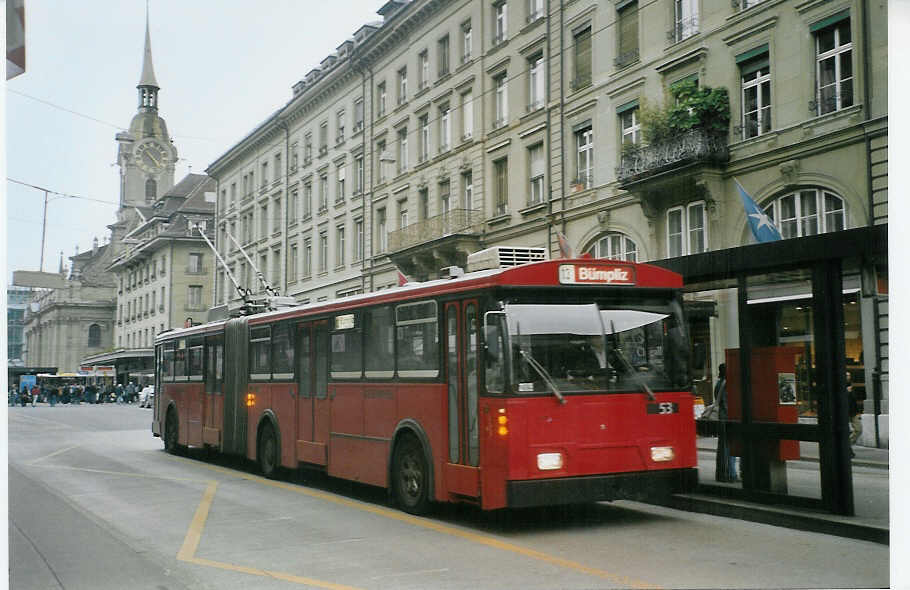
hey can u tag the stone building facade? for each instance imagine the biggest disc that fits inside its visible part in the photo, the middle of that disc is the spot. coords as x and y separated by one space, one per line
453 126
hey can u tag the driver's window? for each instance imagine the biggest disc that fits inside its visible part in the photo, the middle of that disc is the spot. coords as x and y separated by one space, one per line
494 353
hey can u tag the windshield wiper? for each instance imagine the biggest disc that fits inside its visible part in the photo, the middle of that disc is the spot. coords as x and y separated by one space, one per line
618 350
543 373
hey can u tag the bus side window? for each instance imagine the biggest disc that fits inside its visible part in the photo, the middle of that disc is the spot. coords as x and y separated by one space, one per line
303 362
494 352
282 352
260 353
322 360
180 361
167 364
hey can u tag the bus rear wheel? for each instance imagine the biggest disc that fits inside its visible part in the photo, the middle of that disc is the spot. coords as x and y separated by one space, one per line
268 451
170 432
410 475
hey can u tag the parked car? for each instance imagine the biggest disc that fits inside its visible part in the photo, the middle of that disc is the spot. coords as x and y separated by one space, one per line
147 396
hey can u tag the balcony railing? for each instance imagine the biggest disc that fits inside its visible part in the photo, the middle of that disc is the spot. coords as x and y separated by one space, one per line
695 145
451 222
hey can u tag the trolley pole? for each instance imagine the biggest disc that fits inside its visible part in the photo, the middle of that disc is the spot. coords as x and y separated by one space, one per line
43 229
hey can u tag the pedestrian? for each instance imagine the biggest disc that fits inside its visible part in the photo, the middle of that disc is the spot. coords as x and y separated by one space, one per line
855 408
119 392
35 393
725 463
130 391
52 395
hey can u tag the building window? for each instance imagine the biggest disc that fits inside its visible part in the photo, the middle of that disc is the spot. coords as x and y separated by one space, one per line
194 263
631 128
535 10
307 257
233 192
442 51
500 100
380 99
94 336
402 150
276 206
424 77
151 190
358 115
424 144
277 167
292 264
467 115
324 138
584 143
500 22
358 174
466 42
834 67
307 200
423 204
687 230
339 246
402 214
307 148
323 251
382 236
265 173
295 159
535 83
339 127
292 207
276 267
264 221
756 97
536 174
615 246
323 192
501 186
358 240
402 86
339 186
627 52
807 212
467 183
445 197
380 164
582 61
194 297
445 129
685 19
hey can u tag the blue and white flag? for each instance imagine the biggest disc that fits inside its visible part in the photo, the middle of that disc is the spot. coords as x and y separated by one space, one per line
762 226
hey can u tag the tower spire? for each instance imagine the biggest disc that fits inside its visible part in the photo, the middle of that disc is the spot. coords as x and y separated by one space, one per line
148 85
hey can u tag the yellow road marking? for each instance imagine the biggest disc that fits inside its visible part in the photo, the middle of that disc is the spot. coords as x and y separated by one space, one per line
270 574
194 533
436 526
55 453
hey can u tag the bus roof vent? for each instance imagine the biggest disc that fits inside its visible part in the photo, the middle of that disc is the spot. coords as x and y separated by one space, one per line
504 257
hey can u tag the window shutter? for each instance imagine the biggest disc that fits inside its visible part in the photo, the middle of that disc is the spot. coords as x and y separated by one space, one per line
583 55
628 29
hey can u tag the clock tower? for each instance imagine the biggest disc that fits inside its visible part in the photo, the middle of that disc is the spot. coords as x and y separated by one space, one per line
146 154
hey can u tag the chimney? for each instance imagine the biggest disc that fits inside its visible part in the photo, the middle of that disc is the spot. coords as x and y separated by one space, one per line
95 246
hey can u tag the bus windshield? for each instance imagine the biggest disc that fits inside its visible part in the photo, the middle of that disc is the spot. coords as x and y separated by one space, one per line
597 347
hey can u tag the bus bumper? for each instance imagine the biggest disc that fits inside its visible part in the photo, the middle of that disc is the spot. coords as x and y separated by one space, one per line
593 488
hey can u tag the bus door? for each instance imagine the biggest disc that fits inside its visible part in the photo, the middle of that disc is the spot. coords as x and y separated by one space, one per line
214 395
312 384
461 471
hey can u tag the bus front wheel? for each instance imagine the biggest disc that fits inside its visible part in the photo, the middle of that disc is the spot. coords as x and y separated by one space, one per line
410 476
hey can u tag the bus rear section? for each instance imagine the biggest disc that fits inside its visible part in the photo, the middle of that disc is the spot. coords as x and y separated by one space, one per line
586 401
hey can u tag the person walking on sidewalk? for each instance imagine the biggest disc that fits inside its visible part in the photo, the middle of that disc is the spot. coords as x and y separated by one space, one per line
725 464
856 413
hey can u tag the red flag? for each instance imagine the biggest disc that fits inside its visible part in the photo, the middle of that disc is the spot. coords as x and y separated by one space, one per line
565 249
402 278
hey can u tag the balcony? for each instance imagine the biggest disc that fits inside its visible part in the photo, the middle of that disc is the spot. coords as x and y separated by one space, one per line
422 248
694 147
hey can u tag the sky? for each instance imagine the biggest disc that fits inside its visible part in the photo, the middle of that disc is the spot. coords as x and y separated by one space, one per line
223 67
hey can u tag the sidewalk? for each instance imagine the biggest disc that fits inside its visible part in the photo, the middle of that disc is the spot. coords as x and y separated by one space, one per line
870 494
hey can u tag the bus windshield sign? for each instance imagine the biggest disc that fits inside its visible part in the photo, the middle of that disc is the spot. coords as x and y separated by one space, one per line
596 274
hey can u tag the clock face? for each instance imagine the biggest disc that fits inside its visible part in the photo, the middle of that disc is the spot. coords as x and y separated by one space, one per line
151 156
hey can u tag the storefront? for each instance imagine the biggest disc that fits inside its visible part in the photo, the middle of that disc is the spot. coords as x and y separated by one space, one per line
798 325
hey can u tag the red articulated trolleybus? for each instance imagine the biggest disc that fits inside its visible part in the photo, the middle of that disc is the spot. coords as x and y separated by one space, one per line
551 382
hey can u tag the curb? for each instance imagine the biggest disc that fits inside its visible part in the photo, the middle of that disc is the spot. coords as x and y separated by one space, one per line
856 462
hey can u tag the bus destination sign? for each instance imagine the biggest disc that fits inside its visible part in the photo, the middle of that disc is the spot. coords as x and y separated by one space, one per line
596 274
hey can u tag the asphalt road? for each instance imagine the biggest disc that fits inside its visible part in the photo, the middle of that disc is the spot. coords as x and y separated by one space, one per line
95 503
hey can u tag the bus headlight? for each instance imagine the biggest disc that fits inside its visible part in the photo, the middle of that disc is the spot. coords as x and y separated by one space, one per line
662 454
549 461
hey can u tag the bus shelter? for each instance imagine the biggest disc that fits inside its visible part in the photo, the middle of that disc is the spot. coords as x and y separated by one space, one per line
801 326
